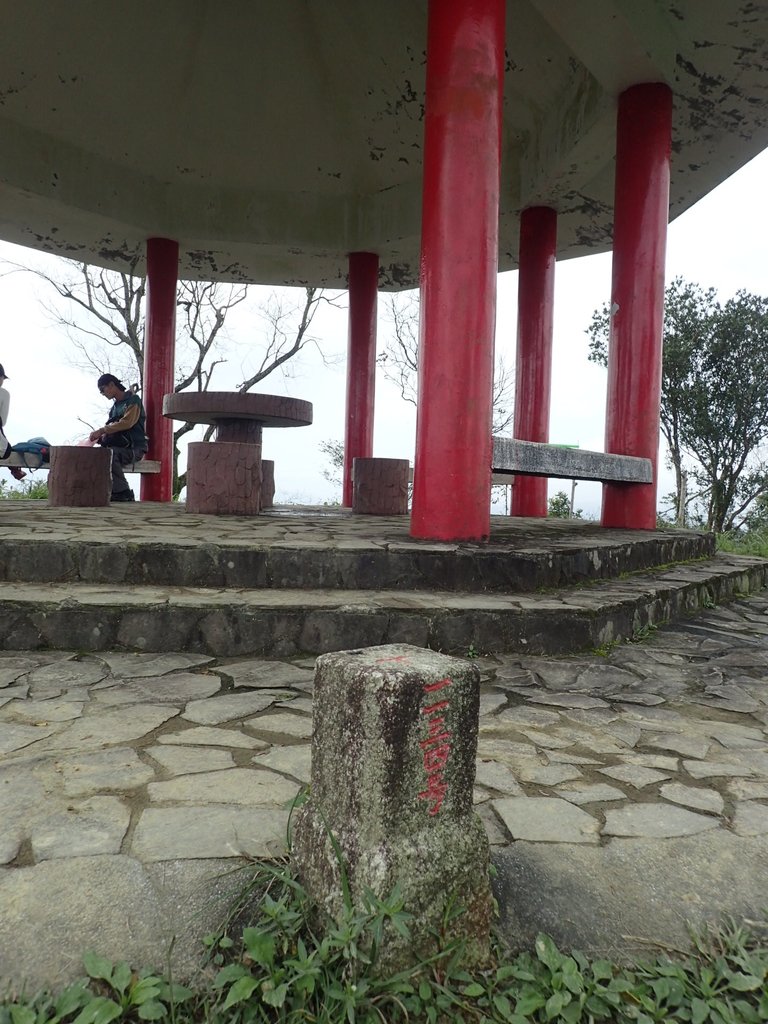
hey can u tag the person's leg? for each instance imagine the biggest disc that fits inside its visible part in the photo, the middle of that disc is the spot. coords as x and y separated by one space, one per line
16 471
121 457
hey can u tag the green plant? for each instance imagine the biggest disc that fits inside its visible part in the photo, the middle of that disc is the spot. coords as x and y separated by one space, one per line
292 965
755 542
643 633
145 995
289 968
111 992
603 650
559 507
34 488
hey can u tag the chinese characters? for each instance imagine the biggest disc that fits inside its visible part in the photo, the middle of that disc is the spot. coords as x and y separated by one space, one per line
436 746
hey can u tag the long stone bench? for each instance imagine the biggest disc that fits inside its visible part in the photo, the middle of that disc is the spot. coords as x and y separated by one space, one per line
497 479
31 461
534 458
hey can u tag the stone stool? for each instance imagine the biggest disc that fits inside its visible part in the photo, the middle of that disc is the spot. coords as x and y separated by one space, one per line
267 483
80 476
223 478
380 487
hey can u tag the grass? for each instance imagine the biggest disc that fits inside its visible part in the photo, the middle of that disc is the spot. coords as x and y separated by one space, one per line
283 970
30 488
753 543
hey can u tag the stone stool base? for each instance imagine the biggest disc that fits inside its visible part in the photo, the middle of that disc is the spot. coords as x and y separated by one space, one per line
380 487
80 476
223 478
267 483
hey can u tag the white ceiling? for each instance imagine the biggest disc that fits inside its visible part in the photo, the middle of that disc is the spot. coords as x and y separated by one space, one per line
273 138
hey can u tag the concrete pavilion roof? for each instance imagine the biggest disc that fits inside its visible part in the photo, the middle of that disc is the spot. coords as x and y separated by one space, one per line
273 138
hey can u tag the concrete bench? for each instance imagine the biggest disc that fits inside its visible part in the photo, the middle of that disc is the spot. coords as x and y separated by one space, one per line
81 476
534 458
497 479
31 461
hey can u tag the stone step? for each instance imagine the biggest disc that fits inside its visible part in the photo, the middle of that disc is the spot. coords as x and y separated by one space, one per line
280 623
148 547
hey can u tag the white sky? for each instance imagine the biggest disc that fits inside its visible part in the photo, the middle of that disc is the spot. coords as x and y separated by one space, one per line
722 242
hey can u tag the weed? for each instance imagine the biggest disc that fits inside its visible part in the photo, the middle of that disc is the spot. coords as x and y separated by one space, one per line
284 969
753 543
603 650
37 489
643 633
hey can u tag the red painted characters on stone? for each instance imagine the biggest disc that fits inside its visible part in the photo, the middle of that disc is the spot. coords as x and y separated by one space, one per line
436 747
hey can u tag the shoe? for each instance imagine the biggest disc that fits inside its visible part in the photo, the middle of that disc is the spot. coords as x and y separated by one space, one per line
123 496
17 472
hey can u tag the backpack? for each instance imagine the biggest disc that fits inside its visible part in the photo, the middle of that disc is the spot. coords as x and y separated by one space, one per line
35 452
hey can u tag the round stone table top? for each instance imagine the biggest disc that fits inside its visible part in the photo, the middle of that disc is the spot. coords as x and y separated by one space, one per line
212 407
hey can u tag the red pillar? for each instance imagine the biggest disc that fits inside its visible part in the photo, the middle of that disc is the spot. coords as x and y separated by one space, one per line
641 212
361 363
533 366
459 256
159 347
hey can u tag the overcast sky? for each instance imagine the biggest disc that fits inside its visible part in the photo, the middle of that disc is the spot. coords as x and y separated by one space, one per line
721 242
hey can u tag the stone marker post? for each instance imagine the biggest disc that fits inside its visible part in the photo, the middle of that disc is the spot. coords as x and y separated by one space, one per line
393 767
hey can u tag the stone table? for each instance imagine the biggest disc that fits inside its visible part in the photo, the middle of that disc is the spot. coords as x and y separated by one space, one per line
225 477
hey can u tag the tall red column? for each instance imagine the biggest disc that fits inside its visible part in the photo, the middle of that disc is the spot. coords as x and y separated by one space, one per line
533 366
361 363
459 257
159 348
641 212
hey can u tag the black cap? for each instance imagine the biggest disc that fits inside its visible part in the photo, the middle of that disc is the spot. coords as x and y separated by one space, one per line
106 378
3 374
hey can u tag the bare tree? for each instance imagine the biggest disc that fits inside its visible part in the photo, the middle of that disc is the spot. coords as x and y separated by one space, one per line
103 315
399 359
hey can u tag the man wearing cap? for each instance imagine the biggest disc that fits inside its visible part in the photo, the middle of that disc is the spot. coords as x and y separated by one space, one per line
5 445
123 432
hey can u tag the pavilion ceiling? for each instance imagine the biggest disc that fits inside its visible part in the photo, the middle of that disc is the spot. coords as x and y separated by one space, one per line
271 139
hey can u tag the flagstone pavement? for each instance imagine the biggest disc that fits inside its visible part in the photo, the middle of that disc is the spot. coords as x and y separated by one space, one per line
128 781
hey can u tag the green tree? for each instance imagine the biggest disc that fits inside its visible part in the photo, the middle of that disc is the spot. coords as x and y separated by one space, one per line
714 394
559 507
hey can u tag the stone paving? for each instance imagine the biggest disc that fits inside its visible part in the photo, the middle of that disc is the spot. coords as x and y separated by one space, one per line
155 762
